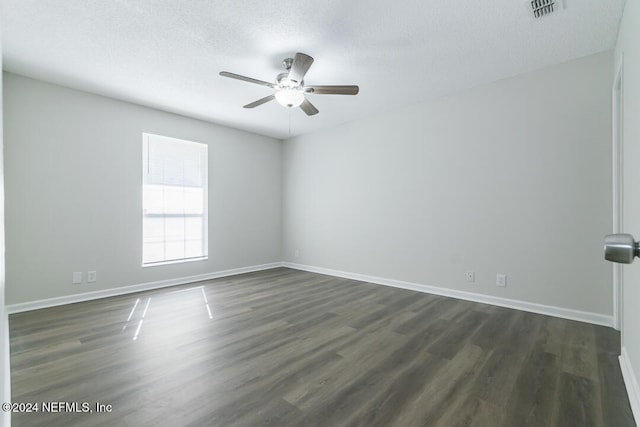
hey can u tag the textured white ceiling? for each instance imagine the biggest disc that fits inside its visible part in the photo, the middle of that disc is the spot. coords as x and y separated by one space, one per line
167 54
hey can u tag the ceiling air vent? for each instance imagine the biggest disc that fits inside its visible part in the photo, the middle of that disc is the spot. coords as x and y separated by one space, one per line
542 8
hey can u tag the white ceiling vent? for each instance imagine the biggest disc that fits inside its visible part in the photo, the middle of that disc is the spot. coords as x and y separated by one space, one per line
542 8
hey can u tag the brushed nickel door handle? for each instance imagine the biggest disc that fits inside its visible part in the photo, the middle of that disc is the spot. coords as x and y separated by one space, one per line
621 248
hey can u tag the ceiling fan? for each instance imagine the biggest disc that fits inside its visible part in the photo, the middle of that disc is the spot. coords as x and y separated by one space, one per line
290 87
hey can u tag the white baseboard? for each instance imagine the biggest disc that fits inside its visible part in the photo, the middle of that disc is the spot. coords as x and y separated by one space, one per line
631 383
87 296
565 313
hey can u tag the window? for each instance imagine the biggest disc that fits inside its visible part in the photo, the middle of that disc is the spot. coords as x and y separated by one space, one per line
174 200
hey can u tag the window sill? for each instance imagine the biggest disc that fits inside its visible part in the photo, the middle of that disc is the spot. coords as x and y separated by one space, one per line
175 261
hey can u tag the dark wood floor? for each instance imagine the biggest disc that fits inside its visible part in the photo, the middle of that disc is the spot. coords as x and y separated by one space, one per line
290 348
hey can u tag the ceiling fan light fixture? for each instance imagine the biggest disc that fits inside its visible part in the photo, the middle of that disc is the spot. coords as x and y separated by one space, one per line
289 97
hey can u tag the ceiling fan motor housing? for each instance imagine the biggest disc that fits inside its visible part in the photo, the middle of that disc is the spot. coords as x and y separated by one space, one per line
283 81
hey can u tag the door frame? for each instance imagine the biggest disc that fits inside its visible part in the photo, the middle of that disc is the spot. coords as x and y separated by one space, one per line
617 97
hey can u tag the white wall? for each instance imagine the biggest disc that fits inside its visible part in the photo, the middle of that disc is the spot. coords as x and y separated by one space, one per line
628 46
513 177
73 191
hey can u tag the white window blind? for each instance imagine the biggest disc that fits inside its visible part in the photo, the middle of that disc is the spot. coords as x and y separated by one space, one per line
174 200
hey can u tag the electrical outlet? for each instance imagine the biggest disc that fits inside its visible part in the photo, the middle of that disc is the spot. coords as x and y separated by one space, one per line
91 276
471 276
297 253
501 280
76 278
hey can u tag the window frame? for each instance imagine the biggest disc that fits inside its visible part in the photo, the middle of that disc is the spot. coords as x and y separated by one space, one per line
204 240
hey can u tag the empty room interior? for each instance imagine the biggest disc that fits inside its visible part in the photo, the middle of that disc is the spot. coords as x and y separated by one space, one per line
364 213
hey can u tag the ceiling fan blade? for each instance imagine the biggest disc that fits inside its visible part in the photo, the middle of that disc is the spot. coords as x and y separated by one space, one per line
332 90
301 64
260 101
246 79
308 108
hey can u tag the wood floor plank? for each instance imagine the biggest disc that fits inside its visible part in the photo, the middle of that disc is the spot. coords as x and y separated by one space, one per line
357 361
615 402
472 412
578 406
449 386
579 355
403 383
449 344
290 348
492 331
532 401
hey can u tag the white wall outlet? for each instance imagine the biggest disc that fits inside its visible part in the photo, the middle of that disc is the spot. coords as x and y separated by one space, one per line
77 278
297 253
471 276
91 276
501 280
